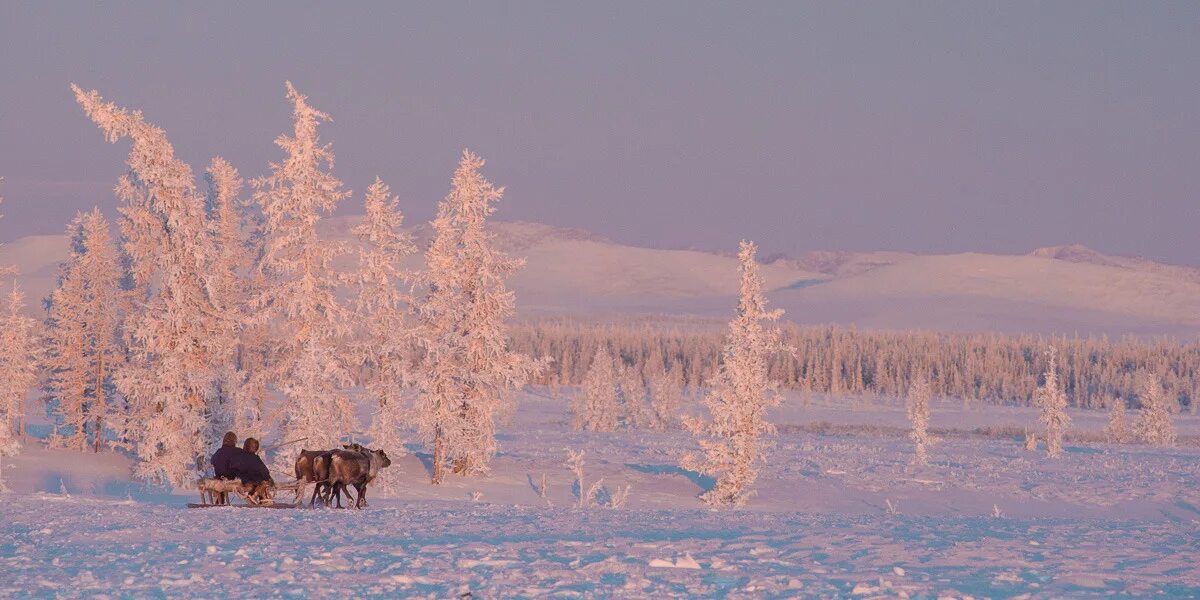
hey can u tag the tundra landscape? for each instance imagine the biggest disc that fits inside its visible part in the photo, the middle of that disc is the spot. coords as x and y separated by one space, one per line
635 301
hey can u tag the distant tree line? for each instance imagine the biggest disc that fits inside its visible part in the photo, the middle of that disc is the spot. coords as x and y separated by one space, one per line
989 368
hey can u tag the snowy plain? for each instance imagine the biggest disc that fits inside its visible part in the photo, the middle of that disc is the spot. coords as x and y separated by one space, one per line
840 512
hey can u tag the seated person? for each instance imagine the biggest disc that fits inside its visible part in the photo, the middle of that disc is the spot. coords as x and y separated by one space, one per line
247 466
222 461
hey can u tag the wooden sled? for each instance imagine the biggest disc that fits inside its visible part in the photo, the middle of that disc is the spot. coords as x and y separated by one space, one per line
213 491
195 505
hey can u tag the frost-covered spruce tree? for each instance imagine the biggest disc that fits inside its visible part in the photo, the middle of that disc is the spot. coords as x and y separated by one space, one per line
1117 430
740 395
1052 401
595 406
83 338
384 348
231 286
10 412
10 442
468 370
918 417
20 353
1154 425
633 394
299 299
68 347
175 337
666 395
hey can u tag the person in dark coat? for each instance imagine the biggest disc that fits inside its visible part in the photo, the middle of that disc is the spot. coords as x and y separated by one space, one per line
247 466
222 460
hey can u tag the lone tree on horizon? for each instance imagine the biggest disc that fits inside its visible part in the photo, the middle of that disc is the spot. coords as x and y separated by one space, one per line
740 395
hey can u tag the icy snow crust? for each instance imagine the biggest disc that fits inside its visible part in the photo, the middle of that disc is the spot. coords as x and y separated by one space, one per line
1099 520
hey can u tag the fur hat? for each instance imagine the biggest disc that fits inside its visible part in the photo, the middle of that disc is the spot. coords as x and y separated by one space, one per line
230 439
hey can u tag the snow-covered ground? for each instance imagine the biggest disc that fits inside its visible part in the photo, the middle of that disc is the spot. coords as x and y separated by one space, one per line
1101 519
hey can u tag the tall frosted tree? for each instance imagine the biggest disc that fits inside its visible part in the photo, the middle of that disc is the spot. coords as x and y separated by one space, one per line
299 298
83 341
740 395
595 406
468 370
68 348
918 417
1154 425
175 335
11 407
236 407
20 351
385 345
1052 401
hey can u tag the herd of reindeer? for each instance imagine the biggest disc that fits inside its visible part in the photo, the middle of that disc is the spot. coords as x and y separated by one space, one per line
334 472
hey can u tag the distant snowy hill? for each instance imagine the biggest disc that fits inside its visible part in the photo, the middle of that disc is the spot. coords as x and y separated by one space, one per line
574 272
1006 293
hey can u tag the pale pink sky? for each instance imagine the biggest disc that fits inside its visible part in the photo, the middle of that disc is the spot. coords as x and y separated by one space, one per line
930 126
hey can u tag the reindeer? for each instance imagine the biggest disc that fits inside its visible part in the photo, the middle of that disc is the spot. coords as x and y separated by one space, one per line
355 468
312 466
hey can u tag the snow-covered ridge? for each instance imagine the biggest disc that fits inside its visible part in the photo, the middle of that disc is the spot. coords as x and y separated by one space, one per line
575 272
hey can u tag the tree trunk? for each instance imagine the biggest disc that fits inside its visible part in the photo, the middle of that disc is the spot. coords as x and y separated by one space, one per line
99 406
21 419
439 457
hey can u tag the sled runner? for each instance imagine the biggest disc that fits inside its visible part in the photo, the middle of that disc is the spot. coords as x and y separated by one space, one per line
220 492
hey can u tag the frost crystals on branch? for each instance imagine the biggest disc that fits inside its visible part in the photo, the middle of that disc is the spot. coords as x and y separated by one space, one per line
175 334
740 395
918 415
468 370
1052 401
299 300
